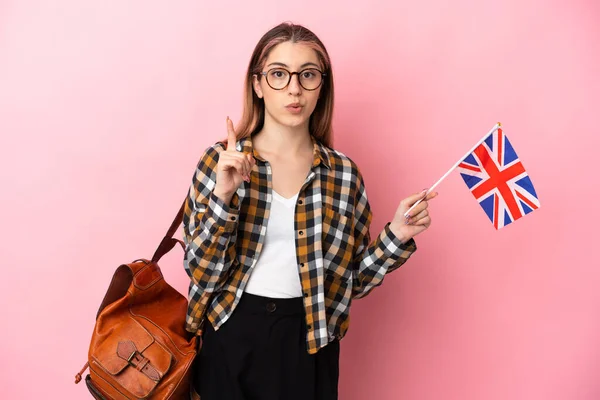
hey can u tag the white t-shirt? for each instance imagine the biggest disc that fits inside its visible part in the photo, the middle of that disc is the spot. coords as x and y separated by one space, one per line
276 271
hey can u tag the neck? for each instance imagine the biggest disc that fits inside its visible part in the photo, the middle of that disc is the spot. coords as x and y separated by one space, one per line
275 138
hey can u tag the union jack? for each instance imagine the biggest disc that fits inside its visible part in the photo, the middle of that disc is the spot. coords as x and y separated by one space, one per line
498 180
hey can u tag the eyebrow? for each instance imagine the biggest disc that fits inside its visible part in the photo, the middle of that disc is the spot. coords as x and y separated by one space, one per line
286 66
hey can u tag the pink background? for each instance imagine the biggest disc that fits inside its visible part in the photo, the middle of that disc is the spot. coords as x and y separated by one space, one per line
105 108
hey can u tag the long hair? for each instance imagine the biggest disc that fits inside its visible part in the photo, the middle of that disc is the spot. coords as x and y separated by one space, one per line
253 116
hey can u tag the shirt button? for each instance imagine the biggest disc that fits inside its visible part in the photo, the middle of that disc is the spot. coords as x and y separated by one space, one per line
300 202
302 264
301 233
308 327
305 294
271 307
233 218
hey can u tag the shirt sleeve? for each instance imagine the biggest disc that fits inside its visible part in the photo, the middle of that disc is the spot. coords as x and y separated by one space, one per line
209 227
373 260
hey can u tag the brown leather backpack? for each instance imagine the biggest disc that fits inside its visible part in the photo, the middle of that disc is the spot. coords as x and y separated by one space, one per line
140 348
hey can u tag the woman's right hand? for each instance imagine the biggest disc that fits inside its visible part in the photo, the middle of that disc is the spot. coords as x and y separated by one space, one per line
233 167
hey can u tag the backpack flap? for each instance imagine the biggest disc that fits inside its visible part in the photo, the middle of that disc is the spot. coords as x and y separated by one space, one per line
134 359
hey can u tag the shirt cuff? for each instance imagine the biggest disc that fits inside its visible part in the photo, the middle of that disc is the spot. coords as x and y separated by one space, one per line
221 216
393 247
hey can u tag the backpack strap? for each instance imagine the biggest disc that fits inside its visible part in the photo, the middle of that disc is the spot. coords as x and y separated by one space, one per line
169 241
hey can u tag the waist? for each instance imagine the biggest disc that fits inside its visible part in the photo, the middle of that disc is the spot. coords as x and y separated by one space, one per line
255 304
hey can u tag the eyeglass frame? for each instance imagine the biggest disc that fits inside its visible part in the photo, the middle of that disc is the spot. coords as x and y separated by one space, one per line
323 75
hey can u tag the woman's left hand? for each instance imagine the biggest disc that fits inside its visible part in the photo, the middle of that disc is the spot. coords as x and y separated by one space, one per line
417 221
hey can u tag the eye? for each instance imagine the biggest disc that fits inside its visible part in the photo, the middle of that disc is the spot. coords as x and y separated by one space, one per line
308 74
278 73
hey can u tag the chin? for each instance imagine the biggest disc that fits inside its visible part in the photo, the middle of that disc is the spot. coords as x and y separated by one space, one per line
293 121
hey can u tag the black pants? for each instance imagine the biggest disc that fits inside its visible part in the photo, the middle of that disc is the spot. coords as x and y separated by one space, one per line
260 354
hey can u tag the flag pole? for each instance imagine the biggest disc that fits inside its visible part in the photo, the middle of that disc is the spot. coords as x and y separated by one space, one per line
498 125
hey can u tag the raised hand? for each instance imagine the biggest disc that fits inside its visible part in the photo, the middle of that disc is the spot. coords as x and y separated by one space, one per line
233 167
417 221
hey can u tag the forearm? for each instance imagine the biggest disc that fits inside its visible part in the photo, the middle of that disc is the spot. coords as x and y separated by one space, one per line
210 235
375 260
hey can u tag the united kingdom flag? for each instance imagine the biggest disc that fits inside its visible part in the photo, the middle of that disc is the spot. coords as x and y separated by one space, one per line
498 180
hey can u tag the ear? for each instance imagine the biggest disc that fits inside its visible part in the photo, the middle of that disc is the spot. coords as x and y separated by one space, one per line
256 86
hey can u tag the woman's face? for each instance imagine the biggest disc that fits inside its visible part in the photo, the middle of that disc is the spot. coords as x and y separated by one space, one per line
292 105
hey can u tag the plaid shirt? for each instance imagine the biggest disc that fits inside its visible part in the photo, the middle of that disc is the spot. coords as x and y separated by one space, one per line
335 257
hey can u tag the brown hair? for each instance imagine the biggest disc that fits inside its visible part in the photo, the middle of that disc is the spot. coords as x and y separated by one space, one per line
253 116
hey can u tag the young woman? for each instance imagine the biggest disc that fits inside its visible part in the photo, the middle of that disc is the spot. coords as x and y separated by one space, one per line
277 236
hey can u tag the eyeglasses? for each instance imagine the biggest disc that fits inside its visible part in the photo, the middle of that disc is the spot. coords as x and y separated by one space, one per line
280 78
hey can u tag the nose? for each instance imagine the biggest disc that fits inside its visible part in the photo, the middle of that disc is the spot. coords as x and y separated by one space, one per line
294 87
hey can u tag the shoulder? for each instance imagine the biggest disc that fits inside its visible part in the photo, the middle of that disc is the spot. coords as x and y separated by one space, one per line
214 149
207 164
340 162
211 153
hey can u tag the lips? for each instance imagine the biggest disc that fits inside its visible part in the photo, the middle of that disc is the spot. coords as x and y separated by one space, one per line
294 108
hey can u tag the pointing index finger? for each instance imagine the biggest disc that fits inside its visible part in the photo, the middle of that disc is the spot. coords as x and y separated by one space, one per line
231 137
